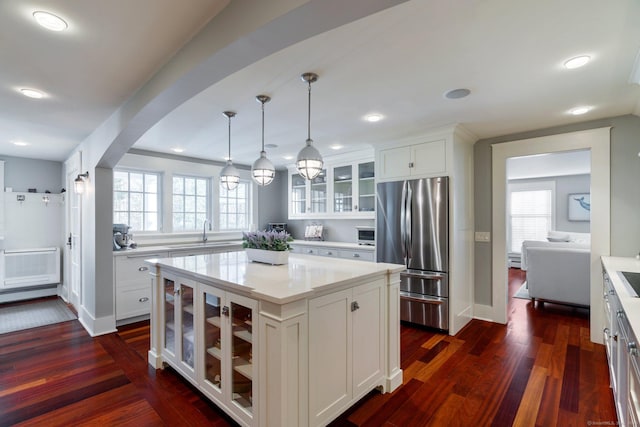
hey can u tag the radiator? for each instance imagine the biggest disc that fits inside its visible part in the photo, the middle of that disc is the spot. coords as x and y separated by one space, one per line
30 267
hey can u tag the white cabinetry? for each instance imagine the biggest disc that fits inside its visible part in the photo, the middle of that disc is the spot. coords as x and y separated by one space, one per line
227 350
346 356
133 284
344 189
335 250
446 151
416 160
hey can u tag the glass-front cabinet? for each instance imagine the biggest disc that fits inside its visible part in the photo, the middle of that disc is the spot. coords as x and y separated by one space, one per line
178 311
344 189
228 350
307 197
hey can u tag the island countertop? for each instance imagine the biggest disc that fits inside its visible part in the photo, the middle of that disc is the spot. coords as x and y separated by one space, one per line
301 277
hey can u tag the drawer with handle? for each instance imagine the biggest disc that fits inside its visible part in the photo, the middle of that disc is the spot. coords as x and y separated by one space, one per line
133 302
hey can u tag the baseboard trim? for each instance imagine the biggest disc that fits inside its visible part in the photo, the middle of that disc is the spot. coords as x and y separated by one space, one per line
96 327
483 312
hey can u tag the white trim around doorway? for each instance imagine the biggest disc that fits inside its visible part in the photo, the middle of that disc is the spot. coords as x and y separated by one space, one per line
598 142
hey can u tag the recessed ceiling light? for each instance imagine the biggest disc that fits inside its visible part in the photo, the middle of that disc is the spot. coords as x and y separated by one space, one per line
271 145
177 150
335 146
577 62
32 93
579 110
20 143
457 93
372 118
288 157
50 21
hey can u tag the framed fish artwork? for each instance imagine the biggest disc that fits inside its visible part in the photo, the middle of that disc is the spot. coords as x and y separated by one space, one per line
579 207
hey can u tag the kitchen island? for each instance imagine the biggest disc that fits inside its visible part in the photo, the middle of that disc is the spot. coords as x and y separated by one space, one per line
288 345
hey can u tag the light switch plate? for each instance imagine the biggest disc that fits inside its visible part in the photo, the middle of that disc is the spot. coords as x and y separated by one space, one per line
483 236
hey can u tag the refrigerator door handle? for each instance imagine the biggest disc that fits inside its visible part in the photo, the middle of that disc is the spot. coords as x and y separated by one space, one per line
403 225
408 208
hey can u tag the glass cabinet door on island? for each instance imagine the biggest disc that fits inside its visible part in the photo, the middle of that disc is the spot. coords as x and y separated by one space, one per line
229 346
178 314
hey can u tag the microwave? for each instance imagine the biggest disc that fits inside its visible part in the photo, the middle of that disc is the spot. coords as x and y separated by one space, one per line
366 236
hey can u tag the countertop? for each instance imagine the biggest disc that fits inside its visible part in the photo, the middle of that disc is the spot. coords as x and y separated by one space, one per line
145 250
630 305
301 277
330 244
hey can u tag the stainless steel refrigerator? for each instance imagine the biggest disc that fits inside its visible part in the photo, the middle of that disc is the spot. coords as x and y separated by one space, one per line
412 228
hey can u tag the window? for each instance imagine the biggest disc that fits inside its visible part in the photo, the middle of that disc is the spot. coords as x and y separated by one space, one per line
531 212
235 207
135 199
190 202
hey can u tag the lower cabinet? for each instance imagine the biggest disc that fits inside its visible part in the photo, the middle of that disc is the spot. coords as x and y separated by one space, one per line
328 251
346 348
227 350
133 285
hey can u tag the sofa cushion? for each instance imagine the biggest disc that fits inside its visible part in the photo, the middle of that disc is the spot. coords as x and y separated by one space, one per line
558 236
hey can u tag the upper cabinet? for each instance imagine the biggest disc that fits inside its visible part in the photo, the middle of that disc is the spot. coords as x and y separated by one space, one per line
412 161
345 189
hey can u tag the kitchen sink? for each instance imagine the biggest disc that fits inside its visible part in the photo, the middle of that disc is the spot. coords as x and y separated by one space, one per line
631 281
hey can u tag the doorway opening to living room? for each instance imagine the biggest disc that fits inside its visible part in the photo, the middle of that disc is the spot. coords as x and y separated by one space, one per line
597 141
548 227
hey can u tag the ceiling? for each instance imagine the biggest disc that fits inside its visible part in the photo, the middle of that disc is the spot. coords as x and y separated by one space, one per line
398 63
549 165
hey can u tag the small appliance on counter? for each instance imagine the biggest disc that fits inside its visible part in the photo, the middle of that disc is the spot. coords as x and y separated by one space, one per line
366 235
122 239
277 226
313 232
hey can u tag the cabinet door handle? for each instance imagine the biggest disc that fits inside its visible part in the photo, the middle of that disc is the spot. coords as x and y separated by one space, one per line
225 310
612 292
410 164
143 299
606 331
356 255
354 306
176 291
329 253
631 346
143 268
310 251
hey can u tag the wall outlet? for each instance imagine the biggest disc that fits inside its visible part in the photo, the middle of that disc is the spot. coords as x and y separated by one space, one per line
483 236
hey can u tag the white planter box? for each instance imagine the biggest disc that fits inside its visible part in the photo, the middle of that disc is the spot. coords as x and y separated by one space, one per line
267 257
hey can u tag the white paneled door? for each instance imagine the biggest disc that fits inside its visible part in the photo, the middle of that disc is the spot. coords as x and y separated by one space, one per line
73 248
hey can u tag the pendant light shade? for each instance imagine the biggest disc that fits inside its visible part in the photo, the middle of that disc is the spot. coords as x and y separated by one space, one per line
229 176
263 170
309 162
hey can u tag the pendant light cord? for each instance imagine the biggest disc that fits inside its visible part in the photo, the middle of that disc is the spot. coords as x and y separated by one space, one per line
262 124
229 138
309 115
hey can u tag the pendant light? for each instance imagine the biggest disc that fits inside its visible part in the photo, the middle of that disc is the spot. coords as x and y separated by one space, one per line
263 170
309 161
229 176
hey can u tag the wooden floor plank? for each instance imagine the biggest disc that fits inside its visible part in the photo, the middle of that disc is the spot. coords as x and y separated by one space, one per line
541 368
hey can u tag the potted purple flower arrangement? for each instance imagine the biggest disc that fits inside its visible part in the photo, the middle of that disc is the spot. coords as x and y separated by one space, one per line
269 247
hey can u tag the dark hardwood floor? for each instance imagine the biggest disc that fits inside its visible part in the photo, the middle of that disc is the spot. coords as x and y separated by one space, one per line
540 369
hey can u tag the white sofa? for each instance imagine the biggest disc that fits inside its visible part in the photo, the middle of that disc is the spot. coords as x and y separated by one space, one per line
558 270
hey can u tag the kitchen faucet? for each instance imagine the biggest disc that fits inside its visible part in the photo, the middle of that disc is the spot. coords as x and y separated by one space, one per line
204 230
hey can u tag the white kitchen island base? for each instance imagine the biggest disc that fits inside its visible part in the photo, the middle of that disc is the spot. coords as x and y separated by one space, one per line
327 333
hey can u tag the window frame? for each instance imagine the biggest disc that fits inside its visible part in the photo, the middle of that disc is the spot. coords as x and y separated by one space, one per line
208 201
159 193
528 186
249 199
